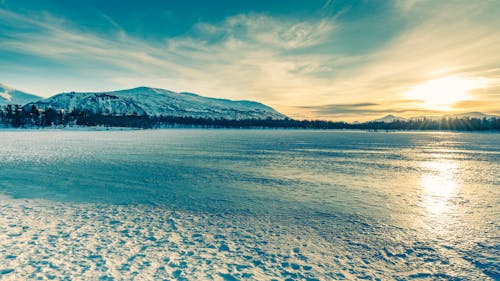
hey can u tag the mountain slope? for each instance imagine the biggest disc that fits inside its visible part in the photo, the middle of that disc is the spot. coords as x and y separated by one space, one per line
471 115
156 102
12 96
392 118
389 119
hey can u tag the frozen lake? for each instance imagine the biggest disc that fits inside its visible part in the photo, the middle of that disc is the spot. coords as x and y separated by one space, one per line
249 205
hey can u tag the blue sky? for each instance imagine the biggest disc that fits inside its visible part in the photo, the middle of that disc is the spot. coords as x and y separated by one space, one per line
339 60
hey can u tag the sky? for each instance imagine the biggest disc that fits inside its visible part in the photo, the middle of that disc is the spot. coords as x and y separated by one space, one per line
328 59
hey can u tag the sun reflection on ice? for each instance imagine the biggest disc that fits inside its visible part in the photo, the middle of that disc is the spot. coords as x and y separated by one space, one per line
439 184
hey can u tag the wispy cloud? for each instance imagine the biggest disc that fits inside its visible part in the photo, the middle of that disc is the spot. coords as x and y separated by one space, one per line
444 38
265 32
367 111
241 57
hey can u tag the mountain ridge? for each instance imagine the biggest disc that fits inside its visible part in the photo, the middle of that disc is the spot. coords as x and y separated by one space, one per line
389 118
151 101
157 102
475 114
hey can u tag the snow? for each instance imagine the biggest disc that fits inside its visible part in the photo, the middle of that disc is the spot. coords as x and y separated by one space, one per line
392 118
13 96
472 115
159 102
248 205
49 240
6 96
389 119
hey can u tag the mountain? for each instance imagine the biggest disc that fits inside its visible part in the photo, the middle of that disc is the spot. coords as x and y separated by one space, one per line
156 102
392 118
479 115
13 96
472 115
389 119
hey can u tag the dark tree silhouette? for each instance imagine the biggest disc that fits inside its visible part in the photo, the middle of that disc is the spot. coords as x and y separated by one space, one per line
31 116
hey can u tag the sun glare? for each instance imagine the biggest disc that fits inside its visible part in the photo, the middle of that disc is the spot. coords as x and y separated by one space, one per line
442 93
439 183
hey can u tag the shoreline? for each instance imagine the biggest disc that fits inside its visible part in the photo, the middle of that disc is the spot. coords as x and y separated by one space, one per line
103 129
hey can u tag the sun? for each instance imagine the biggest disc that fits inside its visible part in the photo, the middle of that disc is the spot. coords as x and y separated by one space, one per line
442 93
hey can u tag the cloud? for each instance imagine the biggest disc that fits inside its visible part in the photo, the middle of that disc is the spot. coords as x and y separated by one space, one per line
264 32
342 110
472 105
242 57
443 38
367 110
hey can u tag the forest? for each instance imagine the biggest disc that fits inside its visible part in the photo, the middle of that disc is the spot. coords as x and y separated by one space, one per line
13 116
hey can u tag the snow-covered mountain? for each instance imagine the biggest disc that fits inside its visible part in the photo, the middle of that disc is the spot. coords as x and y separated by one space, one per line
12 96
389 119
459 116
472 115
156 102
392 118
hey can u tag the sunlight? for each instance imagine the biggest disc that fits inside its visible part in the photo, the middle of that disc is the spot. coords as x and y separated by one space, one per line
438 184
442 93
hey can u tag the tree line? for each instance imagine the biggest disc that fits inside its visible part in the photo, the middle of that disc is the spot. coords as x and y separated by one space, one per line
32 117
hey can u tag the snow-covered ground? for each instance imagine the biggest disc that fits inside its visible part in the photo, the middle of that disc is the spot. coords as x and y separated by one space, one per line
248 205
42 239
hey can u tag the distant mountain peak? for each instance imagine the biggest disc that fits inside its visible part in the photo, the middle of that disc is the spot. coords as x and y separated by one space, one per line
476 114
9 95
389 119
143 89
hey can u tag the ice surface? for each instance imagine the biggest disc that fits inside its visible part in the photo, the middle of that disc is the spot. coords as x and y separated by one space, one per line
249 205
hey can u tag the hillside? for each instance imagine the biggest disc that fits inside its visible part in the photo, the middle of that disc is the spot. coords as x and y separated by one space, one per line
158 102
9 95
